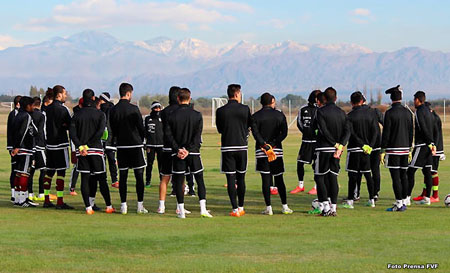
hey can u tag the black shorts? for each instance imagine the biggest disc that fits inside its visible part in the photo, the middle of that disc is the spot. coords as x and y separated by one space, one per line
375 157
23 164
166 162
306 154
58 159
396 161
358 162
326 163
93 164
421 157
40 160
436 160
131 158
232 162
192 164
275 167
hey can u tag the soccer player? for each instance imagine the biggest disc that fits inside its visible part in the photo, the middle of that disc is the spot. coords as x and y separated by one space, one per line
154 140
233 121
86 131
396 143
128 130
363 137
10 140
39 158
273 129
73 158
110 150
57 124
333 134
305 121
184 132
24 131
166 155
424 147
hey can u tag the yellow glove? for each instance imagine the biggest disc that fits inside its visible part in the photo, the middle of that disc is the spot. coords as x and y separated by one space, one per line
339 146
382 157
83 147
367 149
269 152
409 157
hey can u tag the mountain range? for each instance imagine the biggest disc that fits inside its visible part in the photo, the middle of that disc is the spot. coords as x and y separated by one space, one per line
99 61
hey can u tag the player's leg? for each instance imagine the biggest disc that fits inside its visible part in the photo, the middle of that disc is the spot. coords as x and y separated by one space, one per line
104 190
398 189
49 173
123 177
370 189
411 179
428 179
266 179
73 180
241 169
93 185
12 179
30 183
165 175
333 190
178 180
279 182
139 175
148 170
85 190
352 179
375 168
60 175
41 185
111 157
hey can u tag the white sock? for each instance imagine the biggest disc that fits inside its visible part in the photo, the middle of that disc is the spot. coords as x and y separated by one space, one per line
300 184
162 204
333 207
269 208
123 205
181 207
235 210
30 196
89 208
399 203
91 201
241 208
202 205
285 206
140 205
12 193
426 199
22 197
372 201
404 201
16 196
109 207
41 195
350 202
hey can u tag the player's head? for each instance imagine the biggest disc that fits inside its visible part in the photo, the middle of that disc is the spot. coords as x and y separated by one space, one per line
234 92
125 91
36 102
396 93
184 96
26 103
16 101
88 97
59 93
419 98
105 97
321 100
173 95
156 106
312 99
267 100
357 98
330 94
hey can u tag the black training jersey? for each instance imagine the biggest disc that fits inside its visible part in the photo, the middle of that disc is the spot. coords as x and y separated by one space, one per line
438 139
272 127
305 121
56 125
333 127
165 113
24 132
9 128
233 121
397 134
39 122
184 129
423 126
87 127
127 125
380 120
363 126
154 132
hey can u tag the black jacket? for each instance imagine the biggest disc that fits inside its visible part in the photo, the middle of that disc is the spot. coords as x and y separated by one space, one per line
39 122
333 127
233 121
438 139
127 125
154 132
305 121
397 134
272 127
165 113
380 119
9 128
24 132
57 124
363 125
184 129
424 126
87 127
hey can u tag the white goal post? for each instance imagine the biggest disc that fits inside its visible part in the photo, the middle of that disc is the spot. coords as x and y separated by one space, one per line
215 104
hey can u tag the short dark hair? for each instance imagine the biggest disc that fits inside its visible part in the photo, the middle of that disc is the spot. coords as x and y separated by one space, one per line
420 95
173 95
88 94
17 100
36 101
312 96
356 97
233 89
330 94
57 89
184 94
25 101
125 88
266 99
321 98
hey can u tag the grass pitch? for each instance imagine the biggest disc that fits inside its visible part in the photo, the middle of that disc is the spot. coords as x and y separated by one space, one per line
359 240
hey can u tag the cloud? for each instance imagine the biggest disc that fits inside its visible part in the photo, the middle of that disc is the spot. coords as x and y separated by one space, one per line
361 16
111 13
8 41
360 12
276 23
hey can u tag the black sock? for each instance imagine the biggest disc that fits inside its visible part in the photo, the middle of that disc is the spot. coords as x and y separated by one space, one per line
231 188
352 180
266 181
333 188
139 175
201 189
178 180
85 188
41 181
300 170
240 181
123 177
104 189
30 180
370 185
411 179
322 193
279 183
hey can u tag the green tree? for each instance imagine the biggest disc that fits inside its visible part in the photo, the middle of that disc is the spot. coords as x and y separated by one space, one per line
296 100
33 91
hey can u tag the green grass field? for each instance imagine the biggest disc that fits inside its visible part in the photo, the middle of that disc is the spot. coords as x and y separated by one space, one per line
359 240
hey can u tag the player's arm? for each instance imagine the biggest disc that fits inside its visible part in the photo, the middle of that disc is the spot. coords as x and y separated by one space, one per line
283 130
22 129
9 131
346 134
65 118
410 130
300 121
168 132
322 127
73 134
426 124
252 123
219 122
197 138
386 134
140 124
99 131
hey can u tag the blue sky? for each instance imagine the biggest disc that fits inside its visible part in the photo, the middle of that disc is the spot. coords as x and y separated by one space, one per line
378 25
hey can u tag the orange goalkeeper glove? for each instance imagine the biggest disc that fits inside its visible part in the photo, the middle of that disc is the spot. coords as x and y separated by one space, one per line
268 150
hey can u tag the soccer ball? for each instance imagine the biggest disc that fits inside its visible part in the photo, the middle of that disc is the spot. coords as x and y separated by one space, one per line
315 203
447 201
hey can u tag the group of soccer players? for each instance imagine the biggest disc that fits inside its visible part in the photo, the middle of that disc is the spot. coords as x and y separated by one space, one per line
39 136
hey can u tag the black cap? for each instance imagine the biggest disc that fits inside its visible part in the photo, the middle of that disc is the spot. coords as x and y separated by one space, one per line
395 92
155 104
105 96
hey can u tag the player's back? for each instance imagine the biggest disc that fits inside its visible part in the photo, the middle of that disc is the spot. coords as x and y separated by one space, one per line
233 123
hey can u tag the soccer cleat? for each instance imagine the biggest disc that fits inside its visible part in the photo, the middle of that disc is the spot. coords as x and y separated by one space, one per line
235 214
89 211
115 185
48 205
39 198
376 197
395 208
418 198
287 211
267 212
34 204
347 206
181 215
13 200
297 190
408 202
241 212
356 199
161 210
206 214
95 208
274 191
185 211
123 210
64 206
173 194
326 213
434 200
147 184
142 211
52 197
370 204
29 204
191 193
73 193
313 191
424 202
110 210
315 211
